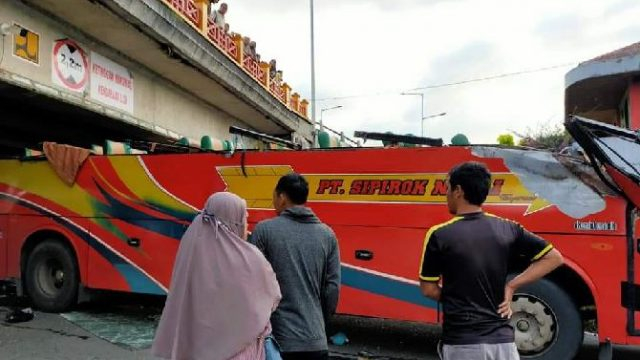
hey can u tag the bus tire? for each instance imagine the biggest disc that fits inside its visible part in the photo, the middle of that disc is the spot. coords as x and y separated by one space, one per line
51 277
547 323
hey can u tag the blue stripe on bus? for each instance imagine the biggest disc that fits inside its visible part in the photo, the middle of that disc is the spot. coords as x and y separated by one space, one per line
119 210
380 285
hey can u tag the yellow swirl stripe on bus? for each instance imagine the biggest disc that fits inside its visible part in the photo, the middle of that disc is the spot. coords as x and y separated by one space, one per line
134 175
38 178
257 187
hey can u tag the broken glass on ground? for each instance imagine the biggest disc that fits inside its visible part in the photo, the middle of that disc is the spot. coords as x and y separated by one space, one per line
130 327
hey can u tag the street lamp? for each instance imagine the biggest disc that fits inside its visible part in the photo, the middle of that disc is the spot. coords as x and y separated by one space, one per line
313 67
422 117
421 110
431 116
435 115
327 109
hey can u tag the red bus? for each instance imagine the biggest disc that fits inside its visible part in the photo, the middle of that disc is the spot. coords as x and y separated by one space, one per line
119 225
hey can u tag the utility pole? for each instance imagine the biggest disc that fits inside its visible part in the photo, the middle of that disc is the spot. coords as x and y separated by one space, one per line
421 110
313 69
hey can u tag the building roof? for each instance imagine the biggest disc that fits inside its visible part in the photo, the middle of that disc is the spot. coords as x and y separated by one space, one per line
630 50
596 87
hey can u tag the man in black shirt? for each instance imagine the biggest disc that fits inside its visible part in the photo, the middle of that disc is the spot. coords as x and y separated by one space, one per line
469 255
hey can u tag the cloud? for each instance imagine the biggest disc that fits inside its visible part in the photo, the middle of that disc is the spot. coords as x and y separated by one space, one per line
621 7
629 35
377 49
562 30
473 59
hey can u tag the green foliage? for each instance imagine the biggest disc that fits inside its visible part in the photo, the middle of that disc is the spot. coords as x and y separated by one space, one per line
553 137
506 139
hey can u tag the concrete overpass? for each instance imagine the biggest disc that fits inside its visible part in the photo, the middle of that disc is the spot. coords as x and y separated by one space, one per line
82 71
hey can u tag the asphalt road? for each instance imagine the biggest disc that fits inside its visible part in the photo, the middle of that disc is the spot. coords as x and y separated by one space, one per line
50 336
401 340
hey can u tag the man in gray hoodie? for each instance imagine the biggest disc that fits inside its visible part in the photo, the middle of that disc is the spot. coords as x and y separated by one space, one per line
305 257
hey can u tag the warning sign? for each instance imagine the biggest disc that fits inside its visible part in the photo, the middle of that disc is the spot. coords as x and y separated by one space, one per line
70 67
111 83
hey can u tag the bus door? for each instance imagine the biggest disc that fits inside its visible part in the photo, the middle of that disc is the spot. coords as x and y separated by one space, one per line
615 155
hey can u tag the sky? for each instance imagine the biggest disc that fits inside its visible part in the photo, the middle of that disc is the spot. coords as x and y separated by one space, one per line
370 51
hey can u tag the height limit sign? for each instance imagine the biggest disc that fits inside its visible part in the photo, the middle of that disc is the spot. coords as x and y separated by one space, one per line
70 67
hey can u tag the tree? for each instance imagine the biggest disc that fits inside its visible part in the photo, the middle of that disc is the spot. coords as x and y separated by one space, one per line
506 139
552 137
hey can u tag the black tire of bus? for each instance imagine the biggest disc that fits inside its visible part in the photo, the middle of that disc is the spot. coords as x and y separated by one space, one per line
569 330
52 277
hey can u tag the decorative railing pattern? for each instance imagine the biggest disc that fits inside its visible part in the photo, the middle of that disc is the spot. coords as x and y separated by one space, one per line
224 41
251 66
195 13
189 9
278 91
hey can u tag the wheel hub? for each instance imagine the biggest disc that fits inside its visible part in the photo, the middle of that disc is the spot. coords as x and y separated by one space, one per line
50 277
58 278
523 325
534 324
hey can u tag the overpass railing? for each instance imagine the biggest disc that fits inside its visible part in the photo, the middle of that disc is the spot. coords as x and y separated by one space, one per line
195 13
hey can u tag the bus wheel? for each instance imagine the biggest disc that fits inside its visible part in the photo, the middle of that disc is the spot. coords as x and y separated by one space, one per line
51 277
546 322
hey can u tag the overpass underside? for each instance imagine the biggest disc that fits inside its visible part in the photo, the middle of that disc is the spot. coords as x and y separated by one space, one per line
27 119
182 84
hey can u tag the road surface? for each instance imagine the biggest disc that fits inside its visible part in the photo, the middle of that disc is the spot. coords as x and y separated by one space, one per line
52 336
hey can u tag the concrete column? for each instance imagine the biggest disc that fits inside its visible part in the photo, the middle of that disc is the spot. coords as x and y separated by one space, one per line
237 39
265 67
287 94
295 102
203 6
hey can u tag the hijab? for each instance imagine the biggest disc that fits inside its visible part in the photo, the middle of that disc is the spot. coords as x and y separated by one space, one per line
222 289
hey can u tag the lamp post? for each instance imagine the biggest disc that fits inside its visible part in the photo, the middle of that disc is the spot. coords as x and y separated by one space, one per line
434 115
313 69
422 117
327 109
421 110
429 117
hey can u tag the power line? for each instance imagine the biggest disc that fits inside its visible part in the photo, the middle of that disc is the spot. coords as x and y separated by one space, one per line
500 76
462 82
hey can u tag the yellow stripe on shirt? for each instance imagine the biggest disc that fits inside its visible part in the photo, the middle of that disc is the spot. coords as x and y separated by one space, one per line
543 252
426 242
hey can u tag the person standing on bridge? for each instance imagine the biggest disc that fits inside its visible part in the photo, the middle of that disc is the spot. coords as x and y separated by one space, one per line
223 290
469 255
218 16
305 257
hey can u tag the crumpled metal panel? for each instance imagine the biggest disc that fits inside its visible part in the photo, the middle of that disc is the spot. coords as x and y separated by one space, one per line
545 176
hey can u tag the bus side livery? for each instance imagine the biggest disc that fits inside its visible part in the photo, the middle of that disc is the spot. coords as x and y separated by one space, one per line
119 226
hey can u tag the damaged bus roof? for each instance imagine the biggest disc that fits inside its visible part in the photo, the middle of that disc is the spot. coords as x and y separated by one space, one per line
567 182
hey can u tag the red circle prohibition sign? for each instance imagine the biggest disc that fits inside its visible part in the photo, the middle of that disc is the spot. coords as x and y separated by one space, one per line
71 45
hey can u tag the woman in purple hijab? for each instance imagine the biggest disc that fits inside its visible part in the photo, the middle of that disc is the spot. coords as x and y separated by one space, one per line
222 290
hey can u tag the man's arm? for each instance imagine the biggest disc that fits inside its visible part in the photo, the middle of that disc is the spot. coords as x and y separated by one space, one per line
431 267
257 238
545 258
431 289
331 288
